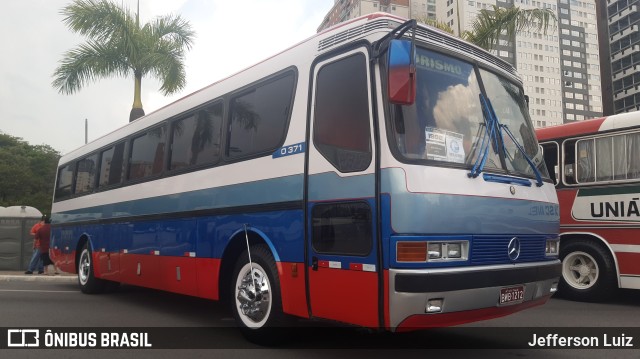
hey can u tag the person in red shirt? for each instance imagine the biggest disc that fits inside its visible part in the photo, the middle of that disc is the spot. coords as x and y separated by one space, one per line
43 235
35 262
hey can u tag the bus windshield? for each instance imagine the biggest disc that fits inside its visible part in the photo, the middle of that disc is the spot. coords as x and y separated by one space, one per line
446 122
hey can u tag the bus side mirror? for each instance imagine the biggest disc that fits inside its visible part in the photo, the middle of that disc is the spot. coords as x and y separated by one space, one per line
401 73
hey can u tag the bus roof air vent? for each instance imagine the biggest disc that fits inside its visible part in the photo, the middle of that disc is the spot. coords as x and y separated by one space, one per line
355 33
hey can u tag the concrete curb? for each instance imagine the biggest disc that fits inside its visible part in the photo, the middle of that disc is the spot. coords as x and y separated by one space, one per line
38 278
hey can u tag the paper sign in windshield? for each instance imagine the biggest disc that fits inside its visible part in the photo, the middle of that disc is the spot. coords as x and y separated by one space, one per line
442 145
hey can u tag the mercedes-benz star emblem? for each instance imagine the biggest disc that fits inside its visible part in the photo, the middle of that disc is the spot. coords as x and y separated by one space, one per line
513 249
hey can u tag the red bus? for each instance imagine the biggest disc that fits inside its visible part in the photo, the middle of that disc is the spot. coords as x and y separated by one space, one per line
596 167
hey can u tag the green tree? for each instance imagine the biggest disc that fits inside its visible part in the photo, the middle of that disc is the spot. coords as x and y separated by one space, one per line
437 24
118 45
489 25
27 173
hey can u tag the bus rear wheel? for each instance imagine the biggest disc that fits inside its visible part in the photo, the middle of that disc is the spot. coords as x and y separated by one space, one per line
256 303
89 284
588 272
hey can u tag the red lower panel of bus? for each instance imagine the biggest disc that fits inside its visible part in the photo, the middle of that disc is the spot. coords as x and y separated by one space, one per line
629 263
421 321
65 262
186 275
344 295
292 288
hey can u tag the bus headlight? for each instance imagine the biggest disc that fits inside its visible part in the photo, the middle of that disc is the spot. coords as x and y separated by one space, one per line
454 250
448 251
421 251
434 250
552 247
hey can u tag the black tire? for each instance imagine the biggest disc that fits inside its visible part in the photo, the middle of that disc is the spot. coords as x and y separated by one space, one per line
259 315
588 271
89 284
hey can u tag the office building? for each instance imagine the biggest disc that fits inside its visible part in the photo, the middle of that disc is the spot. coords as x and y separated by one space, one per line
620 39
560 68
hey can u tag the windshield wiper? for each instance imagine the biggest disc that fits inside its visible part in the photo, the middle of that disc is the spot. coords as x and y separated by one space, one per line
496 136
524 154
489 138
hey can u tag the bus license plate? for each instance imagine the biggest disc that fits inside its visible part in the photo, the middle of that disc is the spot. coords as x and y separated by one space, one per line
511 295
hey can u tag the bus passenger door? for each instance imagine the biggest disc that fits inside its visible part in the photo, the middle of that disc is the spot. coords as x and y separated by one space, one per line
341 193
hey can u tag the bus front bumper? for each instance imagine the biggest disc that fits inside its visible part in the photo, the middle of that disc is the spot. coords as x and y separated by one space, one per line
423 298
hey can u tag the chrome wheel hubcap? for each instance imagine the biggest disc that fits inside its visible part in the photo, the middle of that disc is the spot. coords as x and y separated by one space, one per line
253 295
85 266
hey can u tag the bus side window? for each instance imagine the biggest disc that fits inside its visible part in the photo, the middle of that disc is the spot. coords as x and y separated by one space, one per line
147 154
620 158
195 139
585 161
341 129
86 172
259 117
604 159
64 184
342 228
568 162
550 153
633 155
112 165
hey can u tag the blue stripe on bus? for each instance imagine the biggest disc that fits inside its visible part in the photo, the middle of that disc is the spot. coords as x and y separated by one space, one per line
206 236
330 186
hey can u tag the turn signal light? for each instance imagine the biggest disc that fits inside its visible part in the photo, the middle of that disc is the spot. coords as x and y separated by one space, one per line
411 251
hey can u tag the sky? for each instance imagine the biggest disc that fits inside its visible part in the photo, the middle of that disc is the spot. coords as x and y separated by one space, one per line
230 35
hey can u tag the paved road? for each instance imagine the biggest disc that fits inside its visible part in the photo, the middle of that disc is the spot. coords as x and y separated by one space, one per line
55 302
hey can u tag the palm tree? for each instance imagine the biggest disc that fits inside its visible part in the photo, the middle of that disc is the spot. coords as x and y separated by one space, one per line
437 24
489 25
119 45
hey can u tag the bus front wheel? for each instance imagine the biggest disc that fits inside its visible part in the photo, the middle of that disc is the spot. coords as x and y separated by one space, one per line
588 272
256 303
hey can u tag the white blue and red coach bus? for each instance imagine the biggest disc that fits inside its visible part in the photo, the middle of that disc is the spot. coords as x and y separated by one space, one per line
597 175
380 173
